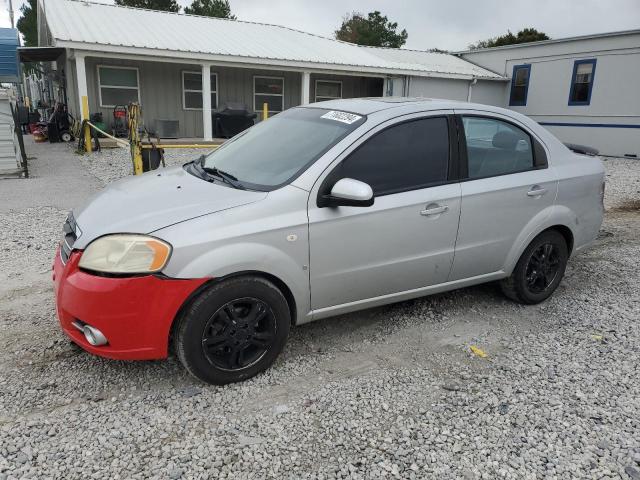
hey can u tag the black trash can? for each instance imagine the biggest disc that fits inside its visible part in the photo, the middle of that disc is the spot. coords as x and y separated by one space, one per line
231 119
151 158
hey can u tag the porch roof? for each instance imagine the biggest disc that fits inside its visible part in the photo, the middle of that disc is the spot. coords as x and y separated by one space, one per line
110 28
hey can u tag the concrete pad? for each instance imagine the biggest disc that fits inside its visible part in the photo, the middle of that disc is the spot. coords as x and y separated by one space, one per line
56 179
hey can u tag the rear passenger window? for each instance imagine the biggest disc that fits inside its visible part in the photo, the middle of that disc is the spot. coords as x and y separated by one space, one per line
404 157
495 147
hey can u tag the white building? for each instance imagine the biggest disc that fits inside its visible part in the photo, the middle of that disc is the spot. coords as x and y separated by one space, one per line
586 90
182 67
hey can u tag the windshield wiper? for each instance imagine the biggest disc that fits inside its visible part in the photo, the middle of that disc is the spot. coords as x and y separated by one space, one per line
195 167
226 177
214 172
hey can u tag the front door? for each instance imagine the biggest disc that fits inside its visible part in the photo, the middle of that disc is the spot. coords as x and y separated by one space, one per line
406 239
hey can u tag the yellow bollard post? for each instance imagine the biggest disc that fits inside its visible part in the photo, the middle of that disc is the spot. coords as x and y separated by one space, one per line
137 159
265 111
133 112
87 130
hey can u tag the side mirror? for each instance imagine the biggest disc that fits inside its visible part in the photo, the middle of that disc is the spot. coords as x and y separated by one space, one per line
348 192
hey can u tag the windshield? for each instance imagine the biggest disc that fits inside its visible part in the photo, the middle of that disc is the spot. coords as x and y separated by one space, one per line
277 150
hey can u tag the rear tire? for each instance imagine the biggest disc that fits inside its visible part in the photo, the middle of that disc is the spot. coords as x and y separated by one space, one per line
233 330
539 270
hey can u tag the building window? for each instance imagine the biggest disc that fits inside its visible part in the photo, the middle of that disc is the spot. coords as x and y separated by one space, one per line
192 91
584 72
118 85
269 90
328 90
519 85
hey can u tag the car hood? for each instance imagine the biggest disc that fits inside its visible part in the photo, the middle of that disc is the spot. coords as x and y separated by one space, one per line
155 200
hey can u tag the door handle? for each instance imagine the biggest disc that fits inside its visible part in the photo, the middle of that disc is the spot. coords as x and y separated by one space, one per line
434 210
536 191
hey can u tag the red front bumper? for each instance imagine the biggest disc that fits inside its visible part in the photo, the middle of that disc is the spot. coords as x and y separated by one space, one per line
135 314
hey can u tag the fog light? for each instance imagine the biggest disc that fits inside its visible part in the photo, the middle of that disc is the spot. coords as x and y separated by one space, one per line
94 336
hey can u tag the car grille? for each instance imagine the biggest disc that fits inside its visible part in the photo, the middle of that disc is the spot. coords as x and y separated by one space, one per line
69 237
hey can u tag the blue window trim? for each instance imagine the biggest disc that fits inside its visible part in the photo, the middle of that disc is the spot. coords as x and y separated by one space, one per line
591 61
523 103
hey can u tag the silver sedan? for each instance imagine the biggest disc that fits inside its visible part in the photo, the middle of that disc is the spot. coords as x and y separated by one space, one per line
324 209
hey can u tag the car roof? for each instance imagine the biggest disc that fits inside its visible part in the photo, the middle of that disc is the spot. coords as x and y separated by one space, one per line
397 106
366 106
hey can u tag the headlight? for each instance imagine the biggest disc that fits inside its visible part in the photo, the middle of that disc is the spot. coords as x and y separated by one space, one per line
126 254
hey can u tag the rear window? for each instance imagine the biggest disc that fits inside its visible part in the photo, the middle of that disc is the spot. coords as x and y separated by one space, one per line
496 148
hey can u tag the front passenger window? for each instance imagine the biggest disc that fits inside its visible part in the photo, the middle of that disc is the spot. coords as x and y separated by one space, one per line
407 156
495 147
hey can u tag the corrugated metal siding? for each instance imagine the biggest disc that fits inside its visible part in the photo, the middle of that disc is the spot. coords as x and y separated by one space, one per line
439 88
489 93
161 90
352 87
9 159
160 93
149 31
236 85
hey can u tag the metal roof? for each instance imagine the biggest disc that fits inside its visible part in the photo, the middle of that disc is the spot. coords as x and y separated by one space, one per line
430 61
96 26
552 40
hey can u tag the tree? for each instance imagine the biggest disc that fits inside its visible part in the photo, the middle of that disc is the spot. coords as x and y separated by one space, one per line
164 5
28 23
523 36
210 8
375 30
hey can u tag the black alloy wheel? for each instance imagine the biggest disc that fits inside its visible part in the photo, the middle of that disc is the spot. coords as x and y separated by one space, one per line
239 334
539 270
232 330
542 268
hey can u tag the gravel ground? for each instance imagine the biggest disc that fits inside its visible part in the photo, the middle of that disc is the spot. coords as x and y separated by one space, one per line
113 163
623 182
391 392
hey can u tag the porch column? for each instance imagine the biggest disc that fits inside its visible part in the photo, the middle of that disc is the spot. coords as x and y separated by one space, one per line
306 84
81 79
206 102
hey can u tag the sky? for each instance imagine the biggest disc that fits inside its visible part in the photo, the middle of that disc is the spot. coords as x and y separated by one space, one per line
449 24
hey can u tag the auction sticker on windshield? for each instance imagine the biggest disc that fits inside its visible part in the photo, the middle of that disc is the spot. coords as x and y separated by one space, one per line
343 117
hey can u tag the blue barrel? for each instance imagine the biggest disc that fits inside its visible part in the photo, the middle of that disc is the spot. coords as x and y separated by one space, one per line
9 55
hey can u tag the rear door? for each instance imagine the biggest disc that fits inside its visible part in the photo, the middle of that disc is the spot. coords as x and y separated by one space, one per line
506 182
406 239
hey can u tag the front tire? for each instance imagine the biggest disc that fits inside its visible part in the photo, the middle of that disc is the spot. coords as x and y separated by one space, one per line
539 270
233 330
